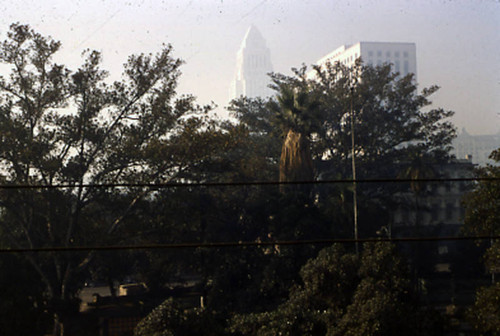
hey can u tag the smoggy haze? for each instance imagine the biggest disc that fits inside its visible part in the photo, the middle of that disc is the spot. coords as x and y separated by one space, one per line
457 41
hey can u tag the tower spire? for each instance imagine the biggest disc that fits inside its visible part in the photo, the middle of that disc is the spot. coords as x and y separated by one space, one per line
253 63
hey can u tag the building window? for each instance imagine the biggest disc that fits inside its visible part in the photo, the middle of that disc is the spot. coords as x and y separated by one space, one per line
370 53
396 65
396 54
443 249
406 67
405 53
388 54
379 53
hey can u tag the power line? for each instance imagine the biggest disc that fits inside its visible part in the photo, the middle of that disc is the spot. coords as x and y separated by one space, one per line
240 244
236 184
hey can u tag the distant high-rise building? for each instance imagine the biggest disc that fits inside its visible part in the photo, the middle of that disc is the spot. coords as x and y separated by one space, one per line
476 147
402 56
253 63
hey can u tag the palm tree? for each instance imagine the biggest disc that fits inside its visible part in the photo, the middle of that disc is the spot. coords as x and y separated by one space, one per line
419 168
296 113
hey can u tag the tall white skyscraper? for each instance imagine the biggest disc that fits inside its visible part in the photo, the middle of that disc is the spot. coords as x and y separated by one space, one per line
402 56
253 63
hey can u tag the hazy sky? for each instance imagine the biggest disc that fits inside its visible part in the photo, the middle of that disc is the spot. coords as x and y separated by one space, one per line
458 42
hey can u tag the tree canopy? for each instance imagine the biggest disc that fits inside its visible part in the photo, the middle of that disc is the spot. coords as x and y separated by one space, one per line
71 127
483 218
78 155
391 116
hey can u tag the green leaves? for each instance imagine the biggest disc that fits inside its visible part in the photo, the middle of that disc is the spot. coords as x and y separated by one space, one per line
341 294
73 127
169 319
485 314
482 217
296 109
388 114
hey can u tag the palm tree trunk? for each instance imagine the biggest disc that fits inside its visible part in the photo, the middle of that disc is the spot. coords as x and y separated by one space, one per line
295 161
417 233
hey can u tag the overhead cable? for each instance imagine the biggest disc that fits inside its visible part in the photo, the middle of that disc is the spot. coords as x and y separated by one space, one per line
239 244
236 184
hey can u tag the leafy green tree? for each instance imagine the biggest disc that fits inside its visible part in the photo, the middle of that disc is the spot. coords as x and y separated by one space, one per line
393 123
391 117
344 294
244 279
71 127
169 319
256 280
482 218
484 314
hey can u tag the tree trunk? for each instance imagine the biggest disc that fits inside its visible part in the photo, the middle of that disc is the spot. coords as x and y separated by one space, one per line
417 233
295 161
58 326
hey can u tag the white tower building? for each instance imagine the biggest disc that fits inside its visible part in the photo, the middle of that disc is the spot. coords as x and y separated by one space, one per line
253 63
402 56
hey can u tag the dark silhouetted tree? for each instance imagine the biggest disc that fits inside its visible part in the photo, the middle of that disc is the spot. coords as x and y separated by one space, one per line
72 127
482 218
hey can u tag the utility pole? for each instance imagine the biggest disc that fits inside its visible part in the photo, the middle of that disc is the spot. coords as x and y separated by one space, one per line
355 196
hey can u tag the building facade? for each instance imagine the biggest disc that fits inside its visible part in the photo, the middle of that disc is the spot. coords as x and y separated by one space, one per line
437 210
437 203
253 63
402 56
476 147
